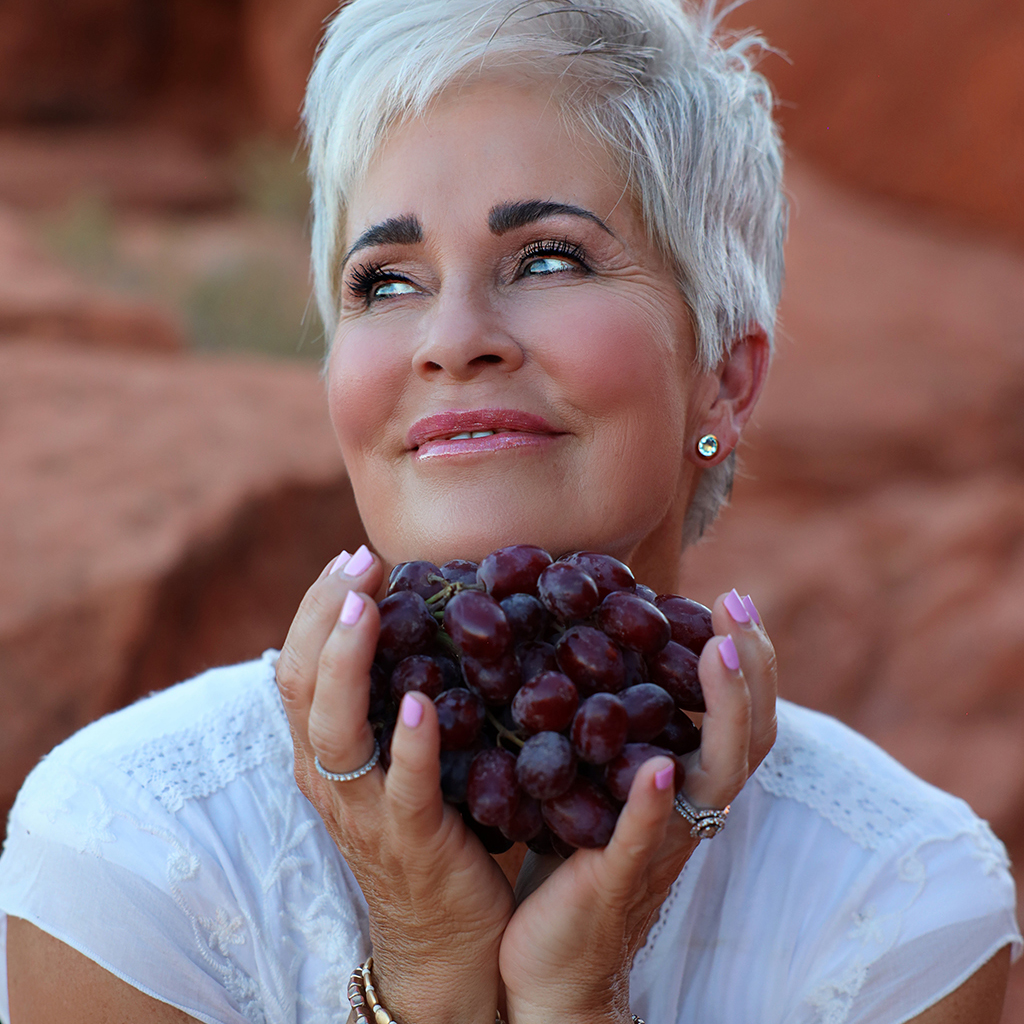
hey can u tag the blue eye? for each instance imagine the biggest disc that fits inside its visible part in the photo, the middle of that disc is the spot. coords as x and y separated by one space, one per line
386 288
547 265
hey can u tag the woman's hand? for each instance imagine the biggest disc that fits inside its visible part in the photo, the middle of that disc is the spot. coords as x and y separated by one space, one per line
567 952
438 903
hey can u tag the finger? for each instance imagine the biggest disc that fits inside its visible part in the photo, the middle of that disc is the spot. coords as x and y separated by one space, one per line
738 617
641 828
413 784
337 728
717 771
313 623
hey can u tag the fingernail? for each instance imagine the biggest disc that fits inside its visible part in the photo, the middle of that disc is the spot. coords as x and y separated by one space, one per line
351 609
339 563
412 711
359 563
751 610
663 779
727 652
734 606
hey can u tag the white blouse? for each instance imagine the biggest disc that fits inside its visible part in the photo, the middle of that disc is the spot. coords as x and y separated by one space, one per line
169 843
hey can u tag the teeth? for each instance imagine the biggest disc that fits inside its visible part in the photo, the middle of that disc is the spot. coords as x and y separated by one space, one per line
482 433
461 437
467 435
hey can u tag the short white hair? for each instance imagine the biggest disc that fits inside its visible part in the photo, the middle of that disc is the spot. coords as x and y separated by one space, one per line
677 103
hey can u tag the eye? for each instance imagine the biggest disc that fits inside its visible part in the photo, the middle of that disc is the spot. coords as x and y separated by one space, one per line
547 265
386 288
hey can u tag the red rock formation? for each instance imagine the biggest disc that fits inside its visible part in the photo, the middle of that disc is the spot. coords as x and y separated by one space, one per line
39 299
161 515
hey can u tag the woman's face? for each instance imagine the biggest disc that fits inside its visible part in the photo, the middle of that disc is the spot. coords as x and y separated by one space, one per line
514 362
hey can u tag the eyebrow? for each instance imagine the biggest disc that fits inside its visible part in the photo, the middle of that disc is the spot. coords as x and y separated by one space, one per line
404 230
509 216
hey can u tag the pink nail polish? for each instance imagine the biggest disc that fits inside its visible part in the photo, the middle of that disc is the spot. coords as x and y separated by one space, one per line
663 779
339 563
412 711
751 610
727 652
359 563
351 609
734 606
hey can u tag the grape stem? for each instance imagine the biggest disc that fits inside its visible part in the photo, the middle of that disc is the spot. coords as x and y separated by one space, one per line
504 733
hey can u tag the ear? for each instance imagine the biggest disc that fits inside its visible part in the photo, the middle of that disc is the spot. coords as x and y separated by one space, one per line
733 388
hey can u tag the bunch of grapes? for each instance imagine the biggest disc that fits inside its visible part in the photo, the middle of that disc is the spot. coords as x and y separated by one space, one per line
553 682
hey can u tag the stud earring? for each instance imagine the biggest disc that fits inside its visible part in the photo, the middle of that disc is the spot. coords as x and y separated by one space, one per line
707 446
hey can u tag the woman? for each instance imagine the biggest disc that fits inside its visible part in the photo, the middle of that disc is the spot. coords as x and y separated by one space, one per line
547 246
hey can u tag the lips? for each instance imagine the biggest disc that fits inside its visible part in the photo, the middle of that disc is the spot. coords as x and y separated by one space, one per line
472 430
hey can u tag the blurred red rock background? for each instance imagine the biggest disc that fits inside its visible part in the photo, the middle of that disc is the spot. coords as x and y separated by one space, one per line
168 479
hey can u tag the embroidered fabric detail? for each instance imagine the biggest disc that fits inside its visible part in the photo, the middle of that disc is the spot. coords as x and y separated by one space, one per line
232 738
858 801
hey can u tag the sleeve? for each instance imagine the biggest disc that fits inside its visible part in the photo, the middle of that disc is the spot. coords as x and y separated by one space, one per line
923 917
96 862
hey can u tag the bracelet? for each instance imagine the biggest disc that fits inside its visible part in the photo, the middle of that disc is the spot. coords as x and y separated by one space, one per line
363 997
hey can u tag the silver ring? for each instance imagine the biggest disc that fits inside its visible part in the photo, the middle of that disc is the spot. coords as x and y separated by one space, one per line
349 776
705 823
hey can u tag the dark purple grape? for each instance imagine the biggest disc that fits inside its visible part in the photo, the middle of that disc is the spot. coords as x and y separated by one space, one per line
649 708
417 672
512 570
546 765
423 578
380 693
460 716
674 668
680 735
494 842
620 771
633 622
492 793
636 668
546 703
526 822
450 671
535 657
526 616
690 621
478 626
541 843
600 727
567 591
496 682
583 816
406 627
459 570
455 773
559 846
591 660
608 573
646 593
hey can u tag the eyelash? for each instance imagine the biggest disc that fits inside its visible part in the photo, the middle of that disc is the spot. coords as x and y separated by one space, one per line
365 277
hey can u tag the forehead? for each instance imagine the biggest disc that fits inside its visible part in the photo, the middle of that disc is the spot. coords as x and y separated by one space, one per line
484 144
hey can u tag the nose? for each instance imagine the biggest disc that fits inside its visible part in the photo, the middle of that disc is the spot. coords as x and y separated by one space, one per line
465 337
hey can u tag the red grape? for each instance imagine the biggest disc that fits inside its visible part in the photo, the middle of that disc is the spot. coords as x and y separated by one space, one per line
608 573
546 703
423 578
591 660
526 617
496 682
674 668
621 770
417 672
633 622
583 816
406 627
460 570
600 727
535 657
690 621
477 624
491 791
546 765
649 709
680 735
567 591
512 570
460 716
526 822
